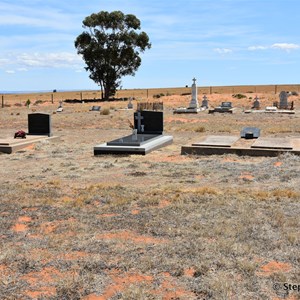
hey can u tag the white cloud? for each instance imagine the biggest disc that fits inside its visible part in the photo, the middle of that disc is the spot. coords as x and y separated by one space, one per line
285 46
10 71
281 46
253 48
4 61
223 50
49 60
17 62
22 69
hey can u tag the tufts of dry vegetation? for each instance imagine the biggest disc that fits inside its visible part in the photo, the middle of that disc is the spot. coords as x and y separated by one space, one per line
161 226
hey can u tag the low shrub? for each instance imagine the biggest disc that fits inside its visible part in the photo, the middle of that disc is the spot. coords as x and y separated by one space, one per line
38 102
239 96
158 95
105 111
200 129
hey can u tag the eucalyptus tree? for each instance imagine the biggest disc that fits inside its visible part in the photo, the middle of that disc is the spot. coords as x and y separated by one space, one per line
111 46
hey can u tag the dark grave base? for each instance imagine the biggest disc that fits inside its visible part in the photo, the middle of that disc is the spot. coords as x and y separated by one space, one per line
131 140
142 147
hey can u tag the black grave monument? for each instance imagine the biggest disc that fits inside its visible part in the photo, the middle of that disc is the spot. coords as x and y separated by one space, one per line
149 122
39 124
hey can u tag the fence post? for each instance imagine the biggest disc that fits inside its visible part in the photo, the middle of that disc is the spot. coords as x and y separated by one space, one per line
52 98
2 101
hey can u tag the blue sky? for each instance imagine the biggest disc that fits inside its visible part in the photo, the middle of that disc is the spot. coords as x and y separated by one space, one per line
220 42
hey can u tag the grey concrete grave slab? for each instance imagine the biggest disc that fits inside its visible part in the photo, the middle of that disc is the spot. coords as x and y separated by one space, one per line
273 143
11 145
218 141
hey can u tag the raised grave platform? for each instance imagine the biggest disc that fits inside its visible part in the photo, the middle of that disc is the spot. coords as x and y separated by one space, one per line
147 136
11 145
39 129
262 146
130 145
277 111
184 110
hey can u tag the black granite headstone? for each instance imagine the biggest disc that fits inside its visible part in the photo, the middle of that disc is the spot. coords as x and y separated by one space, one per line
149 122
250 133
39 124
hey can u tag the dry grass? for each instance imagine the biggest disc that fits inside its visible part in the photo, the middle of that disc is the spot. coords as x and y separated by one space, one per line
161 226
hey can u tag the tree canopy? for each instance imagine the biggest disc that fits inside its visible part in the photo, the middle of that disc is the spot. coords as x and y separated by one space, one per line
110 46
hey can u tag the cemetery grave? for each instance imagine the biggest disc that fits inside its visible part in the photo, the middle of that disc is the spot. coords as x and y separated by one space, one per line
249 143
39 129
225 107
193 107
281 107
147 136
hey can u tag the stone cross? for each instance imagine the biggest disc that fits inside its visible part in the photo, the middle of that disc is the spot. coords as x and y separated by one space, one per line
139 118
194 102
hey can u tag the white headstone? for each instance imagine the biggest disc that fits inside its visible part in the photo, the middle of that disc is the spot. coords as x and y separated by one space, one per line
194 102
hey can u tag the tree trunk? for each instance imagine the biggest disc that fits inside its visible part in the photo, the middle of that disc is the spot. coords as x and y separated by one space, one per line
106 93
